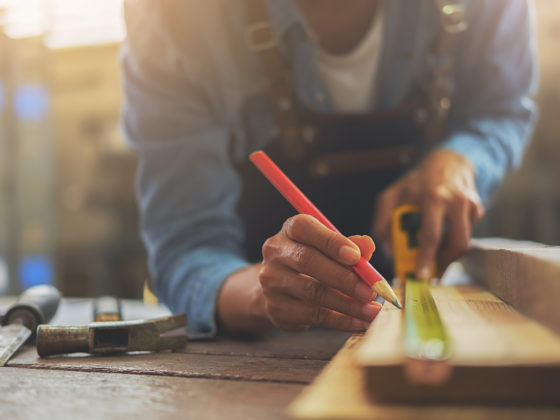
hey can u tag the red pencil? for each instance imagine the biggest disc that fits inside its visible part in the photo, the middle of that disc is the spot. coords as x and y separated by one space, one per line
304 206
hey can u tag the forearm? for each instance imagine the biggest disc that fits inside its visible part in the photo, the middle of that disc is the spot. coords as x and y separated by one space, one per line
241 304
191 284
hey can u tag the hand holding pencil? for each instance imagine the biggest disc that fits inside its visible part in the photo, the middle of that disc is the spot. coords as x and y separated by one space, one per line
313 275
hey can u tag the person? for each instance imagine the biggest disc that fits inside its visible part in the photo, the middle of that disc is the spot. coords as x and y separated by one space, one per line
366 105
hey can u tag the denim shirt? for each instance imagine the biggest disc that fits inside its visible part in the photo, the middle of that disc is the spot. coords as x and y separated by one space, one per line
195 105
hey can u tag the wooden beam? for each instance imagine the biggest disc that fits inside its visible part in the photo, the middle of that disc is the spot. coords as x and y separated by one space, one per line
524 274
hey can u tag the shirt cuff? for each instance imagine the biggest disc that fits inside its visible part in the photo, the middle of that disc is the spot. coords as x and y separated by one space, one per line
192 285
486 163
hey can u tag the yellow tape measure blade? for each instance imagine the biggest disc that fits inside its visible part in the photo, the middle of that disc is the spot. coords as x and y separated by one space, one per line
425 334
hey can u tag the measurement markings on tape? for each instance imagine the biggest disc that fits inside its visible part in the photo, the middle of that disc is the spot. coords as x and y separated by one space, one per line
425 335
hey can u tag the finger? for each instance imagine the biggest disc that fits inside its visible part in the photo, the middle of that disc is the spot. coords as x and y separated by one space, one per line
433 212
456 241
307 230
381 228
366 245
307 260
312 291
291 314
476 213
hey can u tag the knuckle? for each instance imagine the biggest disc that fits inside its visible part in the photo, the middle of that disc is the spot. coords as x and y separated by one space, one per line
268 248
437 194
312 291
348 282
266 276
301 256
318 316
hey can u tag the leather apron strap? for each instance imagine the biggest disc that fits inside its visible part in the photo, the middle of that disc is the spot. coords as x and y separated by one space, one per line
262 40
440 90
293 134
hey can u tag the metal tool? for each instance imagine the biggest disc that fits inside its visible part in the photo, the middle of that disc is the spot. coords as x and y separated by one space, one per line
113 337
107 308
37 305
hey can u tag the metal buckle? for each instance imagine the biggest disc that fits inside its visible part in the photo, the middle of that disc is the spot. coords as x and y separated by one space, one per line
453 18
251 36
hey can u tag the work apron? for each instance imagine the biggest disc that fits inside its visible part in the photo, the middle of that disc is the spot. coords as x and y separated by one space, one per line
389 142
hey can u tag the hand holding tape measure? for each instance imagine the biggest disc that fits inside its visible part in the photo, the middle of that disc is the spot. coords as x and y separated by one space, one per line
443 185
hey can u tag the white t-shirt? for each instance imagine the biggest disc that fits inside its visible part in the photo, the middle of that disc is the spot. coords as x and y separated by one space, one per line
350 78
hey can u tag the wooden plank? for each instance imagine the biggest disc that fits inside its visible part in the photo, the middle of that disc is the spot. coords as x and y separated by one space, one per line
498 354
314 344
27 394
179 364
338 392
525 274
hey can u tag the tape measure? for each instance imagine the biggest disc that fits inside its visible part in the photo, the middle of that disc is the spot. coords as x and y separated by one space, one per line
405 228
425 336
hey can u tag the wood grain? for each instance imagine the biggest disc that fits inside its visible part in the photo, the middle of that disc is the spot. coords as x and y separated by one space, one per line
498 354
46 394
524 274
339 393
180 364
313 344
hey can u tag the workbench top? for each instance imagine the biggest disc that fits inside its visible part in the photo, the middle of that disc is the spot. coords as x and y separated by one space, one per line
223 378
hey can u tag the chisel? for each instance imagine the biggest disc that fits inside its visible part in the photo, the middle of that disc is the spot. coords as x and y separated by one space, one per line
37 305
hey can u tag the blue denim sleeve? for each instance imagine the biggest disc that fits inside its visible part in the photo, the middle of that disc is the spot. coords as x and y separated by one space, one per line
187 187
493 116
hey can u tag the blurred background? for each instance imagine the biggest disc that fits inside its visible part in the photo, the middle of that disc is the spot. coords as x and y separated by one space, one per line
67 209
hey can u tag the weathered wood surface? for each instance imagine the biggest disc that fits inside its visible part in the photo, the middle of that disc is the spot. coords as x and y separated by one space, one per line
189 365
497 354
314 344
222 378
47 394
525 274
339 393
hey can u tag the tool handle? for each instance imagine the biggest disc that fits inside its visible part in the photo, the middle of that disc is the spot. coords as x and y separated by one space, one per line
37 305
107 309
62 340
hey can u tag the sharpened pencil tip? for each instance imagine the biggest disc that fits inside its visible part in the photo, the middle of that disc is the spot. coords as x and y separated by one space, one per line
397 303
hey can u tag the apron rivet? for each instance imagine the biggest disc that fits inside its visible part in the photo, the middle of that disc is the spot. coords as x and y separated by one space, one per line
321 169
444 103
